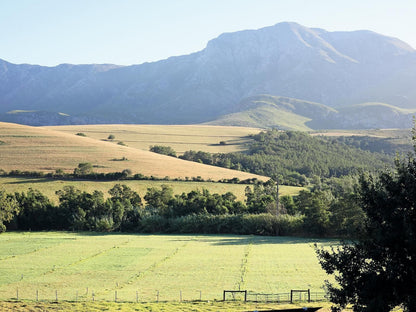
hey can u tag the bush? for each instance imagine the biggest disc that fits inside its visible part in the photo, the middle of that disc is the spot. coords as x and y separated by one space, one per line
164 150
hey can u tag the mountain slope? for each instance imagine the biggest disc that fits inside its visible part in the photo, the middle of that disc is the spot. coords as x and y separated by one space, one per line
267 111
332 68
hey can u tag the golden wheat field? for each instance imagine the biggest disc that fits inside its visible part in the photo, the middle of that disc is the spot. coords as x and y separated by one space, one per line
28 148
180 137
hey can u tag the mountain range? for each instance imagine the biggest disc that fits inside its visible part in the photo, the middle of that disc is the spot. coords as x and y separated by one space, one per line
285 76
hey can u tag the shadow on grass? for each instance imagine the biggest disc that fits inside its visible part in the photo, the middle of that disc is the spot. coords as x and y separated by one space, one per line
224 240
30 180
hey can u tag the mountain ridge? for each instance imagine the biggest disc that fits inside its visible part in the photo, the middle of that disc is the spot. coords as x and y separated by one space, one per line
336 69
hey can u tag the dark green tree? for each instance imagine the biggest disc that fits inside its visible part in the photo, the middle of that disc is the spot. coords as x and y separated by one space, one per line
36 212
8 209
377 272
165 150
83 169
157 200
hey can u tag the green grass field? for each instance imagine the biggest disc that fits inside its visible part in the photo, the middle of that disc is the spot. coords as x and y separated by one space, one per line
48 187
84 266
194 306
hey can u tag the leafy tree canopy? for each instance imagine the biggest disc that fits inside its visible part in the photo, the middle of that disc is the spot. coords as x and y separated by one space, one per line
378 271
8 208
165 150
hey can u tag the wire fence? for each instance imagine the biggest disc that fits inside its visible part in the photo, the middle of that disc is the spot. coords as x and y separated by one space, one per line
286 297
120 295
56 295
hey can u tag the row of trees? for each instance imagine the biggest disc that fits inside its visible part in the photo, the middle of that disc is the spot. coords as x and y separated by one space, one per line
320 212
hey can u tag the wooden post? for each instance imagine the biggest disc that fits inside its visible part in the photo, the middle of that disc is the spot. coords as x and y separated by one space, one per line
37 295
245 296
93 296
76 296
157 296
309 295
180 296
17 294
291 296
137 296
200 295
56 295
115 296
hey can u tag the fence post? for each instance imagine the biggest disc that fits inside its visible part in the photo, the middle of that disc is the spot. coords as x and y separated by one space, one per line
17 294
309 295
115 296
93 296
76 296
56 295
157 296
180 296
200 295
137 296
37 295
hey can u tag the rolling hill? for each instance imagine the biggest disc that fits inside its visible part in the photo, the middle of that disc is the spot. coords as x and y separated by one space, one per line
336 69
180 137
268 111
28 148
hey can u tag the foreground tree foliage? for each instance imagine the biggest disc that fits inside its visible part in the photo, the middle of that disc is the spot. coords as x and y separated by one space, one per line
378 271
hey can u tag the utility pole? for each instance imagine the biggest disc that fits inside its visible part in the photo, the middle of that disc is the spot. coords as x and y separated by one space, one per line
277 196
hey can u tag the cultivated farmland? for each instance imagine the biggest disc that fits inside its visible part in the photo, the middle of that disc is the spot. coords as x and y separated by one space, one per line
86 266
27 148
180 137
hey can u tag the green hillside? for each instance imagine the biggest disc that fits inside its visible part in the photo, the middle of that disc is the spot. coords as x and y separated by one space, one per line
267 111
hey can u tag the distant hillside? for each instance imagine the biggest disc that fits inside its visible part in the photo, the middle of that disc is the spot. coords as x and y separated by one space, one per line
267 111
336 69
27 148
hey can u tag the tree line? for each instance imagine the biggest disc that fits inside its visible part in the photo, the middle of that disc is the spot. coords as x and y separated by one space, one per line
294 158
322 211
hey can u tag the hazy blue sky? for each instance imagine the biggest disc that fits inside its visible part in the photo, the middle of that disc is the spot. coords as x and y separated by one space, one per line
50 32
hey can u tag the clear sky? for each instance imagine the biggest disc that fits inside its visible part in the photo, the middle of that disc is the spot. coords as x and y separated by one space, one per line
124 32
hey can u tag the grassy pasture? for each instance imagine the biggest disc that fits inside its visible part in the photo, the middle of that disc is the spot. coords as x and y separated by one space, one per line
194 306
196 265
38 149
49 186
180 137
